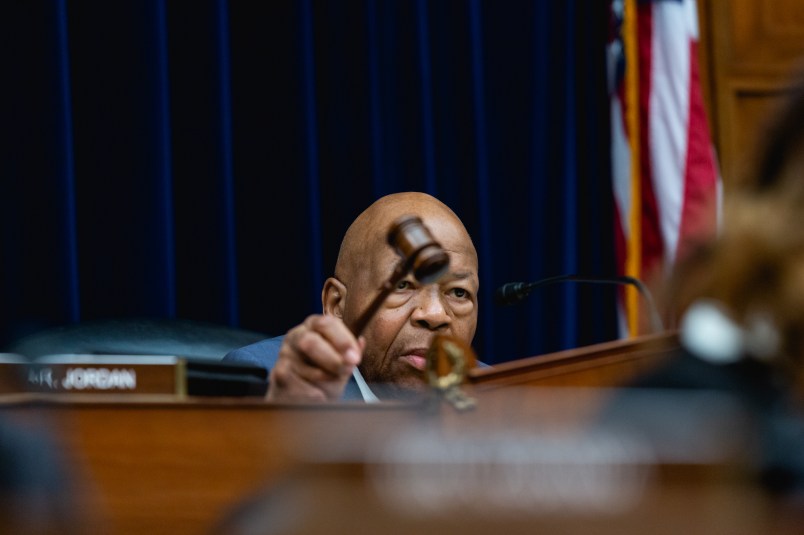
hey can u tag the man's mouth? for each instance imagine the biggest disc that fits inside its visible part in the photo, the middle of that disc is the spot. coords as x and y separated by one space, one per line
415 357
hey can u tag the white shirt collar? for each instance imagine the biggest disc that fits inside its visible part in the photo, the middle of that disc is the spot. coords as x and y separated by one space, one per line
365 391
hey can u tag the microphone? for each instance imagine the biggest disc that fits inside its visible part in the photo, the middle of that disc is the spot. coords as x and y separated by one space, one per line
514 292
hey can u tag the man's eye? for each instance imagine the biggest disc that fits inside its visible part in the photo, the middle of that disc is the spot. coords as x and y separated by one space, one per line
460 293
403 285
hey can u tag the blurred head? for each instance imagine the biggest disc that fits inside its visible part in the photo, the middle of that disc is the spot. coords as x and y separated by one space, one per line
400 333
754 274
755 269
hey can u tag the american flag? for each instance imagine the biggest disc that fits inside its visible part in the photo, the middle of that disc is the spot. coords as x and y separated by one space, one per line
664 173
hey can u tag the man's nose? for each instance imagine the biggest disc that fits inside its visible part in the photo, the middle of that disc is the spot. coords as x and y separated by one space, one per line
430 311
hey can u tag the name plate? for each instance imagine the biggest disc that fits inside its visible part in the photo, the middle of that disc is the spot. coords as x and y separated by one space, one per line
140 374
100 374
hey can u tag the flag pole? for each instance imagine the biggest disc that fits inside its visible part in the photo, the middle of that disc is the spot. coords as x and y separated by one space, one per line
634 243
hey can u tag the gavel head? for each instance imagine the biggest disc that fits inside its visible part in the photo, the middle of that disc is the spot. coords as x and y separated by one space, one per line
425 257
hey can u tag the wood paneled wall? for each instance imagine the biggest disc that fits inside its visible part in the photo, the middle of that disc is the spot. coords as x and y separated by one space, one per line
750 50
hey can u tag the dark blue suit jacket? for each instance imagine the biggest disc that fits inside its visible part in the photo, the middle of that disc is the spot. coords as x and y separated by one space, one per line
266 352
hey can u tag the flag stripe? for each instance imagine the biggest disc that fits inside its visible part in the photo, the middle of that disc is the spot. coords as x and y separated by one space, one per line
699 216
668 114
651 241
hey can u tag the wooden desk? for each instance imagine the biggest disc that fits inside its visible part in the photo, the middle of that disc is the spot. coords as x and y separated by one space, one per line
157 464
160 466
165 466
609 364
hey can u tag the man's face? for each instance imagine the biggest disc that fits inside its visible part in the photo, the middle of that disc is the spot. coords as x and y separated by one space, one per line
401 331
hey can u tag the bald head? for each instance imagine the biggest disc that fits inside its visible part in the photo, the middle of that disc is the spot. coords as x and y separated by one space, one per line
367 236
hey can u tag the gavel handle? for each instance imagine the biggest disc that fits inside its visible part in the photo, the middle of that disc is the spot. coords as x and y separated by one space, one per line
400 271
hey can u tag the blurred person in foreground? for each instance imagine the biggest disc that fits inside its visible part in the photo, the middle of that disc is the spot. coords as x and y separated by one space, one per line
321 359
739 304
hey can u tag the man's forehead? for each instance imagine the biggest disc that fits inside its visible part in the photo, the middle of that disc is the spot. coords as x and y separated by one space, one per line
381 219
442 223
446 229
366 242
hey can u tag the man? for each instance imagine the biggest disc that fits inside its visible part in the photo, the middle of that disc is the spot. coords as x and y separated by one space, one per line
322 360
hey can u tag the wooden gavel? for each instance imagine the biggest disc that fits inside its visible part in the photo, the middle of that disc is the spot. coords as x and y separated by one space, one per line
420 253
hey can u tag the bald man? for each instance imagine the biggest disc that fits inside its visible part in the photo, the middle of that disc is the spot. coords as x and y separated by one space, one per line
322 360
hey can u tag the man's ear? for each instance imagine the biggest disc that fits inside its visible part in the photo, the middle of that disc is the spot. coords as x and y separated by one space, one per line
333 297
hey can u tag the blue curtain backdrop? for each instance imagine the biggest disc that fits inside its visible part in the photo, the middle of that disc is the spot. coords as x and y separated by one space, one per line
202 159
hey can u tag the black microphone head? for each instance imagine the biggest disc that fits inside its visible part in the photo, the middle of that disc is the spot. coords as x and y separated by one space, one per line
510 293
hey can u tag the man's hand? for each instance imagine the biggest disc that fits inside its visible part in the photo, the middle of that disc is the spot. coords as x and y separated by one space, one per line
315 361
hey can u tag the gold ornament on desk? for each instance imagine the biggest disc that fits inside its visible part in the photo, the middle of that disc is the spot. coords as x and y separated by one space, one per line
447 361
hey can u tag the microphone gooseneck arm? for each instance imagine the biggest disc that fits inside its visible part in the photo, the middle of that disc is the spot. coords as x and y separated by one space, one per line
514 292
